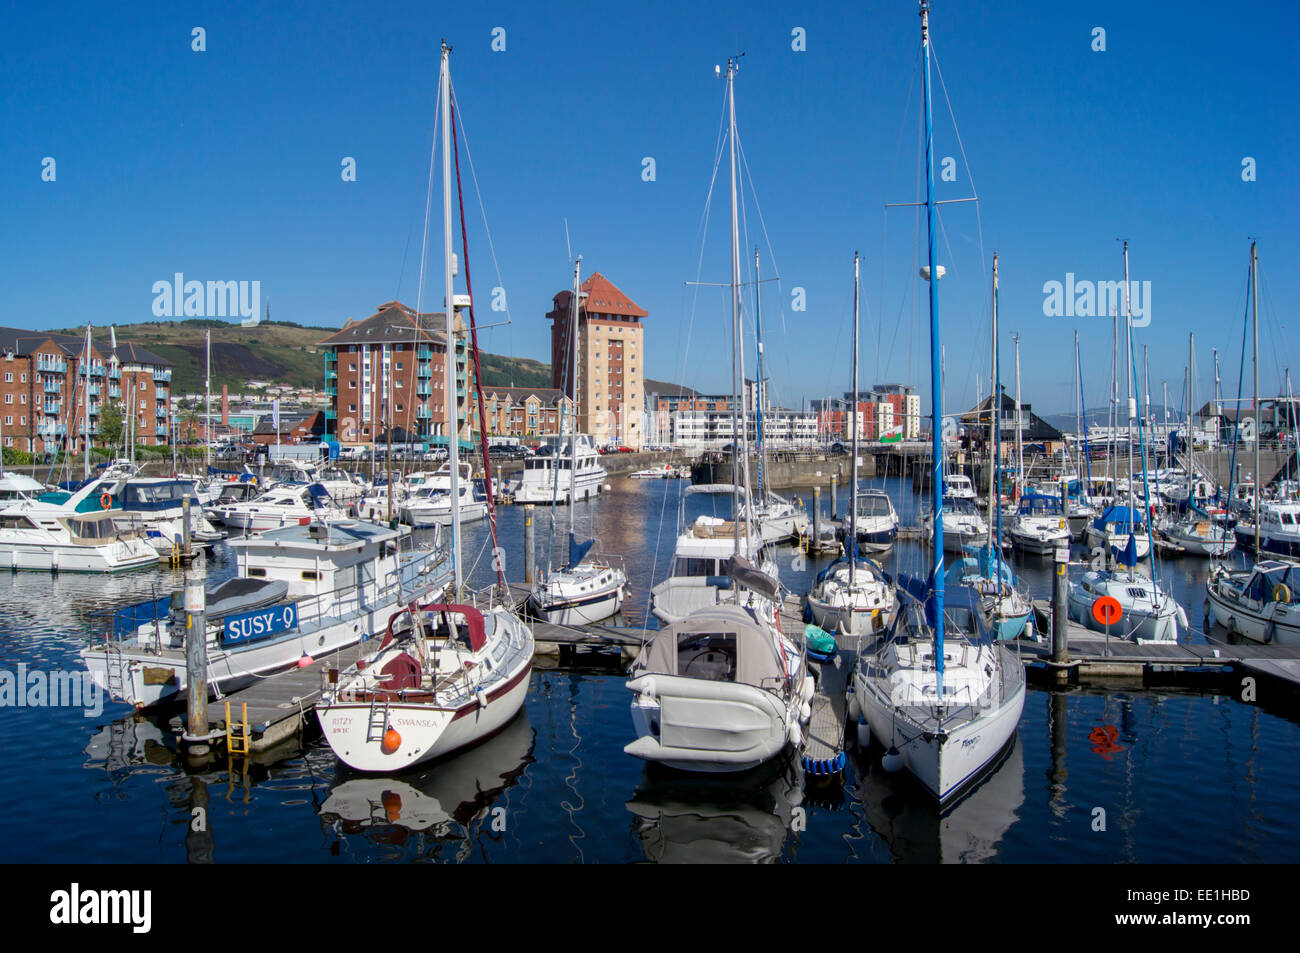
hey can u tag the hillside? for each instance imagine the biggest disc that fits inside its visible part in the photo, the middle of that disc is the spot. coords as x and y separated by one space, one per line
285 353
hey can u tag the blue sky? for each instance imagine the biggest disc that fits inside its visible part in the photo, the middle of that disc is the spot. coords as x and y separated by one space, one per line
225 165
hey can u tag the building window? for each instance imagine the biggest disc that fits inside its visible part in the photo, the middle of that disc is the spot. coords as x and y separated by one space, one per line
9 398
22 421
9 377
22 398
22 378
9 421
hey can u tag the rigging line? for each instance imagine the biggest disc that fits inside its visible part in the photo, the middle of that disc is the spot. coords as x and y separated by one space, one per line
478 372
424 253
962 149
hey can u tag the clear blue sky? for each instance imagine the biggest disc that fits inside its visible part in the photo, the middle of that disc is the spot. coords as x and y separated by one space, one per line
225 165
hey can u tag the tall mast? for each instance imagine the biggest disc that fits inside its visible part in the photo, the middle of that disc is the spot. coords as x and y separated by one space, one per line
736 460
760 390
449 364
1020 444
207 409
1078 415
1132 403
573 431
853 486
1254 305
85 457
1191 443
995 401
936 371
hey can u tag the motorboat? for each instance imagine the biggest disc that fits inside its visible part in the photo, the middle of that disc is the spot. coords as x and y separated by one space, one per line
81 531
286 504
1261 603
1039 525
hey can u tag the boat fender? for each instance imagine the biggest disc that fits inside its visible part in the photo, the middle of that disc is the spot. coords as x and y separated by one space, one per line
892 762
805 712
809 687
796 736
855 710
392 741
864 734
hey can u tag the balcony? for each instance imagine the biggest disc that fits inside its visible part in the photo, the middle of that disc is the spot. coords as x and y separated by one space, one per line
332 390
97 369
53 430
161 393
115 373
93 390
159 374
332 375
51 365
53 387
160 430
94 429
423 353
331 415
94 408
424 389
114 390
54 406
424 371
160 412
423 413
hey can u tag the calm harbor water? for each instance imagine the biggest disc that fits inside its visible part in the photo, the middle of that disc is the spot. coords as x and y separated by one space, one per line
1190 777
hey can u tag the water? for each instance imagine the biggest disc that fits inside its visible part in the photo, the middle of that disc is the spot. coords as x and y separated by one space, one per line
1188 777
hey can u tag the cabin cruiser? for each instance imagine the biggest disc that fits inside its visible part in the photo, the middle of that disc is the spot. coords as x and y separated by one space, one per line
958 486
1279 529
720 690
877 521
1261 603
286 504
159 505
1199 533
1039 525
19 486
700 558
243 490
1116 527
300 591
431 505
82 531
945 737
962 525
547 474
778 519
445 676
374 505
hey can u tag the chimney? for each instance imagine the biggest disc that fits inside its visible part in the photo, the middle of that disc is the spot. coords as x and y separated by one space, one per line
225 407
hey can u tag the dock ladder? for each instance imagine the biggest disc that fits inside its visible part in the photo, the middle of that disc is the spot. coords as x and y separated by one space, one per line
238 736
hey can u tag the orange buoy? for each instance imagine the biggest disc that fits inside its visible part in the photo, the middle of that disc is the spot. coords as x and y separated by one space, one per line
305 661
105 501
392 741
1107 610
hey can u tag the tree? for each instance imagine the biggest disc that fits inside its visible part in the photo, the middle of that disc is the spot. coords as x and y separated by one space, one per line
111 420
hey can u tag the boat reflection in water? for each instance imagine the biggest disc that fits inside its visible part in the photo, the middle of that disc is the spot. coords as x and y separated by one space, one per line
966 833
446 799
732 819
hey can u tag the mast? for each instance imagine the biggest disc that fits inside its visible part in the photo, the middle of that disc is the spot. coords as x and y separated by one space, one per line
207 409
995 403
1254 305
1132 402
853 486
736 460
1191 443
573 431
85 457
1020 444
760 390
936 371
449 364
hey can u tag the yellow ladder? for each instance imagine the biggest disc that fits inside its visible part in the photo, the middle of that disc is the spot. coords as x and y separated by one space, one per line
238 737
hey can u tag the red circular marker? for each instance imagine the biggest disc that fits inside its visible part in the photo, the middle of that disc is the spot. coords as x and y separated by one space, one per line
1107 610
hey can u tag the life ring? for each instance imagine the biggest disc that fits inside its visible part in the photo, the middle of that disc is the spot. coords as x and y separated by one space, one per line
1281 592
105 501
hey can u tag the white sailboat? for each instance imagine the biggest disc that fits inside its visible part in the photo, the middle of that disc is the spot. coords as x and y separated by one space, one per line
449 674
938 691
721 689
852 597
586 589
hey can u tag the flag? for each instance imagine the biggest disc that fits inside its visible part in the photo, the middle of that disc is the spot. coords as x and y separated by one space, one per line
892 435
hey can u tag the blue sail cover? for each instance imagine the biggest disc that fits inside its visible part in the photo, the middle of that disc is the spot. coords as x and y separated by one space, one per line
1123 517
578 551
1129 555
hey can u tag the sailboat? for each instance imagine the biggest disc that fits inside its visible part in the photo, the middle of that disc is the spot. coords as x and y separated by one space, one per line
718 560
1196 531
1147 612
937 689
448 674
721 688
1008 611
852 596
586 589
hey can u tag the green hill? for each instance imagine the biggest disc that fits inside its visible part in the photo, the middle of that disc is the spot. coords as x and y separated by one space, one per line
282 352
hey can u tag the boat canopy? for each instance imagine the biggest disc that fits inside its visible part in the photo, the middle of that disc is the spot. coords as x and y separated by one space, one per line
720 643
1039 504
1268 576
961 606
742 571
1121 517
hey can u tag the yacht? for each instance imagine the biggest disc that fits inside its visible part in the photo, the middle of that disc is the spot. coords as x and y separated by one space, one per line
299 592
958 486
1116 527
1148 613
286 504
963 525
1261 603
82 531
852 596
539 483
877 521
1039 525
1279 528
431 505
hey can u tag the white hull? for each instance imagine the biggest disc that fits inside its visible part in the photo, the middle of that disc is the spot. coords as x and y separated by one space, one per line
577 611
52 556
533 491
424 517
